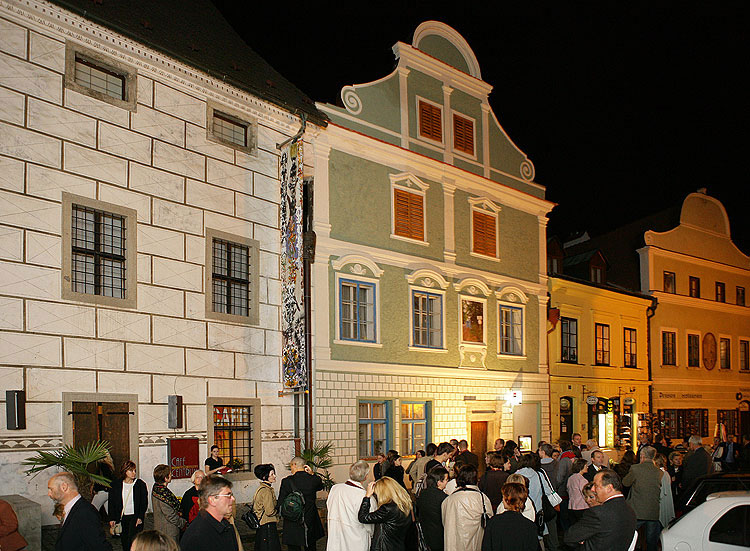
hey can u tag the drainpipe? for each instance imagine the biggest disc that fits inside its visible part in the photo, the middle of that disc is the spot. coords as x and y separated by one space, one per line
650 312
308 257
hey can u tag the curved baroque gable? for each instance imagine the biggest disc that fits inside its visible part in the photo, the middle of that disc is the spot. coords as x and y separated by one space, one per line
446 44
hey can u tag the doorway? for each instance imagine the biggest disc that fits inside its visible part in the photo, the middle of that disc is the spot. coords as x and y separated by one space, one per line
479 443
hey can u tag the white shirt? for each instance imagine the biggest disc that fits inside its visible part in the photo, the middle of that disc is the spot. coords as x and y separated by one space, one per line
128 505
69 506
345 532
451 486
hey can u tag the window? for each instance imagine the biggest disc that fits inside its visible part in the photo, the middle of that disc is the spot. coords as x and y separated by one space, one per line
427 312
725 356
232 281
230 128
98 76
668 348
694 350
740 296
695 287
357 307
629 340
596 274
601 344
463 134
669 282
408 214
731 420
676 423
472 321
569 344
553 265
745 356
374 418
511 330
484 232
414 426
733 528
430 120
721 295
99 255
233 427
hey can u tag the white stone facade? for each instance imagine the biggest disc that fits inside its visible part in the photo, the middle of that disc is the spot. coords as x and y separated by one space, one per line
157 161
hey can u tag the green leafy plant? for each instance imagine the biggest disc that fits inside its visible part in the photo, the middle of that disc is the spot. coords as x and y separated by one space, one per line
77 461
319 458
235 464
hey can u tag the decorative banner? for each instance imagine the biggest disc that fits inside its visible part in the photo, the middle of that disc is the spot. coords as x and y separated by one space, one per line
293 351
183 456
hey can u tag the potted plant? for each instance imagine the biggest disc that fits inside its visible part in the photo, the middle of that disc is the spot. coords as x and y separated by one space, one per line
74 460
318 457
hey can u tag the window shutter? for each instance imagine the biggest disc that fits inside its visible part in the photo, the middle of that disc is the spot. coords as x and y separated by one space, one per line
484 234
430 121
463 135
408 214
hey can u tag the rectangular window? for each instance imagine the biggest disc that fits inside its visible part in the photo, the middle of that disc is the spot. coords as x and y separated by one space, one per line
744 355
721 295
233 427
669 283
676 423
374 418
740 296
630 347
232 281
99 78
694 350
228 130
97 75
668 348
731 420
511 330
408 214
430 121
695 287
357 303
569 344
427 311
472 321
234 129
602 344
725 353
414 426
596 274
484 232
98 254
463 134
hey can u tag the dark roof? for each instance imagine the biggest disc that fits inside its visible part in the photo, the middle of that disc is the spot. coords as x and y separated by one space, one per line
605 286
194 32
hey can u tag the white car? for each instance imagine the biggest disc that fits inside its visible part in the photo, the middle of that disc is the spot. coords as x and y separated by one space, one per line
721 523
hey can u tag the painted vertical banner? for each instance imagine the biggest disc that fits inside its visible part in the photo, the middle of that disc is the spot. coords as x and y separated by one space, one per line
292 293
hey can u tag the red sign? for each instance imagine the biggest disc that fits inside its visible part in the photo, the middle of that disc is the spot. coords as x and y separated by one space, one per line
183 456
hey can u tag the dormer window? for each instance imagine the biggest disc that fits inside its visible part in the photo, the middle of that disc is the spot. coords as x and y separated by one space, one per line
430 120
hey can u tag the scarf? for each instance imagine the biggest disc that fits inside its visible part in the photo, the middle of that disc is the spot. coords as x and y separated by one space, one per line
164 494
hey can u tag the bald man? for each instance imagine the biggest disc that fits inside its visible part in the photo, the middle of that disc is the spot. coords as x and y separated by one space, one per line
81 527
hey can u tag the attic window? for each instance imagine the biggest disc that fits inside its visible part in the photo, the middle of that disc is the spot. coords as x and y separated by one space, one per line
231 129
463 134
430 121
103 78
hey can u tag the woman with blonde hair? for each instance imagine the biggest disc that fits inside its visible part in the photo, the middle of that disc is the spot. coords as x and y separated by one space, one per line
528 508
392 518
153 540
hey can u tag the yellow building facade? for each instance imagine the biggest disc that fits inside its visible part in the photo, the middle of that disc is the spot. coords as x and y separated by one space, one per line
701 329
598 357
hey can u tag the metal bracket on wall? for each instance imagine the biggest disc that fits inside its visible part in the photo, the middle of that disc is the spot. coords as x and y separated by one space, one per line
283 393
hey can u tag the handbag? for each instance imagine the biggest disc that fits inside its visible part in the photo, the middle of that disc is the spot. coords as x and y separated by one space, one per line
484 519
549 509
421 542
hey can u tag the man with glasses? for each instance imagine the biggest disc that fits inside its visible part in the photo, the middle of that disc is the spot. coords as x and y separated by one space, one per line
211 531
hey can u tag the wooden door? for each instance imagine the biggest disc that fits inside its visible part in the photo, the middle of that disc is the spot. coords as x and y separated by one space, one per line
108 421
479 443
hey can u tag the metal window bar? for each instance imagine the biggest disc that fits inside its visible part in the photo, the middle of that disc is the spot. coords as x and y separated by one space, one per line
229 130
231 278
98 252
233 427
100 79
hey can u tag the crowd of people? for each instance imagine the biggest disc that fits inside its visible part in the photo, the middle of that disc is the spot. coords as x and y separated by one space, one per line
564 496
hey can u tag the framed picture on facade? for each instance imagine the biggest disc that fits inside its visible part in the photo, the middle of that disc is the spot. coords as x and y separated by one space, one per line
472 321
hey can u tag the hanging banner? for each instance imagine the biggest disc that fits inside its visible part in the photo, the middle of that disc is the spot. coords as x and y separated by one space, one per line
293 363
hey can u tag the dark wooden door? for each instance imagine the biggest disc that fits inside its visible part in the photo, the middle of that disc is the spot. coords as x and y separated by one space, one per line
108 421
479 442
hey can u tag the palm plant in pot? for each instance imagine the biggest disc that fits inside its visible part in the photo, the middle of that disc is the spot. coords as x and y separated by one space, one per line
319 457
77 461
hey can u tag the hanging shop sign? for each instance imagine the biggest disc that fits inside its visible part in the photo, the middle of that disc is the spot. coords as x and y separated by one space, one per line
183 456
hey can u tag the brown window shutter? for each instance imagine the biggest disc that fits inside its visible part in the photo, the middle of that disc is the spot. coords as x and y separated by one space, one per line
463 134
408 214
484 234
430 121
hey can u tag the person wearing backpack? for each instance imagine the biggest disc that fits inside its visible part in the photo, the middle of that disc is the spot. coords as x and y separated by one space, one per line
300 531
265 509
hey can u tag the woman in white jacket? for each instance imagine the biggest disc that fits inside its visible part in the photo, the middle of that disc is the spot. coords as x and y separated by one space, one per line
462 513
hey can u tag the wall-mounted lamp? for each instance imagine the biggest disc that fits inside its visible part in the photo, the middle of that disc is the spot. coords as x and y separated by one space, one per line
174 416
15 409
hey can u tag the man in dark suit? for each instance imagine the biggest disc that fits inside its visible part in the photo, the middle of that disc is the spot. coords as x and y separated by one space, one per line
466 456
697 463
611 526
644 480
308 484
81 529
598 463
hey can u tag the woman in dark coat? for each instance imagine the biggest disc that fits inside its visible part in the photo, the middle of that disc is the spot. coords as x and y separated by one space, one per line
492 481
510 530
429 505
395 470
128 501
392 518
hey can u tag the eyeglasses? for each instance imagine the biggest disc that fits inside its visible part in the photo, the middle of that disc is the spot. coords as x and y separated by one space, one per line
230 494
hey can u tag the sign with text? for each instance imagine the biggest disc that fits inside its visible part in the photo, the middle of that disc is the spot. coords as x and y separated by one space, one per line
183 456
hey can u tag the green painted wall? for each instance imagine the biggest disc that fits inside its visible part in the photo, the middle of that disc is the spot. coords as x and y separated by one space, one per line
381 104
442 49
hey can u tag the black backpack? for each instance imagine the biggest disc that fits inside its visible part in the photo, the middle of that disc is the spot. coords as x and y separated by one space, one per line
293 506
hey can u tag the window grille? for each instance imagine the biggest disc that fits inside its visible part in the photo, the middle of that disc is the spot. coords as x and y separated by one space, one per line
98 252
100 79
231 278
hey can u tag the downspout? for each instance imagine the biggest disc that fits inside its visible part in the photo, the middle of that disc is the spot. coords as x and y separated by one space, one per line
308 257
650 312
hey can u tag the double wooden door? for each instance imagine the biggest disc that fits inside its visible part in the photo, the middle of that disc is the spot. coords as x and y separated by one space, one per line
108 421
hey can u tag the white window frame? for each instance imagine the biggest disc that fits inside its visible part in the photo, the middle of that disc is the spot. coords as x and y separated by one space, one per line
489 208
411 184
698 334
483 300
676 347
443 123
128 73
608 325
236 117
453 135
437 292
376 304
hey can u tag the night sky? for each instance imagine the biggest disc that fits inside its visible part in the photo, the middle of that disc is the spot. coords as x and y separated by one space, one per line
621 116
